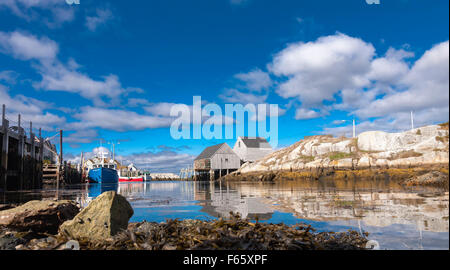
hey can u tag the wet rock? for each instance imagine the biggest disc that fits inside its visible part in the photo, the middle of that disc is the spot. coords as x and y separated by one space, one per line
434 178
104 217
268 177
9 241
6 206
38 216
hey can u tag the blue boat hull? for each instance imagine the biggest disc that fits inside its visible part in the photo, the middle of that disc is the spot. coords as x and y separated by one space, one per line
97 189
103 176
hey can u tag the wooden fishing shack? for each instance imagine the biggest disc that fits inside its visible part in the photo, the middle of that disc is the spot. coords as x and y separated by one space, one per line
216 161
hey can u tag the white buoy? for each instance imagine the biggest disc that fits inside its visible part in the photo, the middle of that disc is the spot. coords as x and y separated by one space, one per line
72 245
372 245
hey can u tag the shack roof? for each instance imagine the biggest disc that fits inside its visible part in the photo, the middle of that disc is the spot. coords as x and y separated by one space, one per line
209 151
255 142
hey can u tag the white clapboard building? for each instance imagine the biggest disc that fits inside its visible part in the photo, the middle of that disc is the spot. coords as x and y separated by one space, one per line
250 149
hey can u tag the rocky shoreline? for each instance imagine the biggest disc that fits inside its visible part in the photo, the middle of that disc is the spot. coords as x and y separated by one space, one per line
422 149
103 225
431 175
223 234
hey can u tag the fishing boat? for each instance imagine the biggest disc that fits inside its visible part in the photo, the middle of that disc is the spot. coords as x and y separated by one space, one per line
127 176
131 179
104 170
147 176
103 175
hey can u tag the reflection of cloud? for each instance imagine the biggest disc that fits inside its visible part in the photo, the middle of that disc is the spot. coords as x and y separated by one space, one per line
379 209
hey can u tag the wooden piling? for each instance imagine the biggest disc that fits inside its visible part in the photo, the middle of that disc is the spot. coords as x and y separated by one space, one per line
21 152
41 157
19 171
33 157
4 157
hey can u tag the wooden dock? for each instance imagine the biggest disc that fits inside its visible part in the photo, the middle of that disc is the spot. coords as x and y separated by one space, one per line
22 155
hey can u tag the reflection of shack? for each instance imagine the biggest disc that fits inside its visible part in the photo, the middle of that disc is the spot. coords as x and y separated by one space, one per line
221 200
215 161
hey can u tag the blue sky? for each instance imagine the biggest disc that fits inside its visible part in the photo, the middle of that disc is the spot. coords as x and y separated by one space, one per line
112 69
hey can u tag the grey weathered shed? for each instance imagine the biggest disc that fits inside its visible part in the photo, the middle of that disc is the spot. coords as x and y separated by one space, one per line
215 159
252 148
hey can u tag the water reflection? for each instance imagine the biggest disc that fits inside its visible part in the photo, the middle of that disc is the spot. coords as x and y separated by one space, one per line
398 218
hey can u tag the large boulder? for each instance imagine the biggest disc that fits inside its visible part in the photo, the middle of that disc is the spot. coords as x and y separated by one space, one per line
38 216
104 217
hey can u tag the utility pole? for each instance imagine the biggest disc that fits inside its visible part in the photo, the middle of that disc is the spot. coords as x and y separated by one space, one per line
114 151
60 147
114 147
58 178
81 167
354 128
412 120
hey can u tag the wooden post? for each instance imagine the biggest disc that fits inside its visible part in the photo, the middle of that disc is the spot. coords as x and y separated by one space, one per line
60 163
41 157
4 157
61 146
21 152
33 157
81 167
66 172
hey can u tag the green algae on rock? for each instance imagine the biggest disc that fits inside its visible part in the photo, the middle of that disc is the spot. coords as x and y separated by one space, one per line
104 217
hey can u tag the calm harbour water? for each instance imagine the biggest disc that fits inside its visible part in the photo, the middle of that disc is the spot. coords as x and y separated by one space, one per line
396 217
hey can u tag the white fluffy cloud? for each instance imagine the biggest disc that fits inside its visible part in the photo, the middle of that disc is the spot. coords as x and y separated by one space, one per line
100 17
236 96
255 80
425 87
117 120
28 47
58 76
31 110
38 10
163 109
9 76
160 109
303 114
390 68
82 136
315 71
344 68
